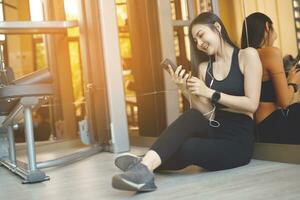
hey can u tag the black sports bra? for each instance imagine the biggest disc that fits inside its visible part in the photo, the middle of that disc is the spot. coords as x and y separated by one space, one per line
267 92
233 84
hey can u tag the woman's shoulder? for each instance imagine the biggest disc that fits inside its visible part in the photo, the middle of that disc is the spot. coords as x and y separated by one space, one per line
270 52
265 54
248 52
271 58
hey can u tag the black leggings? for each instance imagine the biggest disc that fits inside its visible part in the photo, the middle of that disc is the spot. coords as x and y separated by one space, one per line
282 126
190 140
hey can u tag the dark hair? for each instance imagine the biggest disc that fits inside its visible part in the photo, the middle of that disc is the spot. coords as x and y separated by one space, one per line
255 28
206 18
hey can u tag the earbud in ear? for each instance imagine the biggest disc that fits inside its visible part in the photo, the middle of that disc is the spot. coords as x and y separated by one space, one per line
218 26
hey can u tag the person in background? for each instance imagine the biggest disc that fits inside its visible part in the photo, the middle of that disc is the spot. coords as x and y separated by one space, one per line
276 117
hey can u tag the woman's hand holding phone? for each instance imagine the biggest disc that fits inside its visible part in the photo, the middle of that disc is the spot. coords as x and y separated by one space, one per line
179 77
183 80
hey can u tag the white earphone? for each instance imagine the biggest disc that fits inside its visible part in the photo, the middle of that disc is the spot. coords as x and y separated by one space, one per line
212 122
211 76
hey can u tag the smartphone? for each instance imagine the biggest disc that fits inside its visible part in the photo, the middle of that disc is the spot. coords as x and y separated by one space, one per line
165 65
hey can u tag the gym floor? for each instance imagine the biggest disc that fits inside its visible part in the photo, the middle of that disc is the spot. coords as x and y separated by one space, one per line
90 179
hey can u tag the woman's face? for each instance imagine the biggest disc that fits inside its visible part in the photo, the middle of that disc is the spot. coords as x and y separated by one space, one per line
206 39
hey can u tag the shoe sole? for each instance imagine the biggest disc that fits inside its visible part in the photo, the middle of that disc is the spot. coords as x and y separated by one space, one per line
122 184
130 157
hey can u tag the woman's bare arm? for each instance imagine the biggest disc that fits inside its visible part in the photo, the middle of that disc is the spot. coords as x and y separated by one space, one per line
272 59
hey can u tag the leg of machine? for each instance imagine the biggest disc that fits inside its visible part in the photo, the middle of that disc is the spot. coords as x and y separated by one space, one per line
34 174
12 146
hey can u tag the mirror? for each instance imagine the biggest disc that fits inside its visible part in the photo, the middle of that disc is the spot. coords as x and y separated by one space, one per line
284 16
279 109
138 68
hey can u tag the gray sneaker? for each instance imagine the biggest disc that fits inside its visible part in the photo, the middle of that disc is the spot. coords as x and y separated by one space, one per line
137 178
124 161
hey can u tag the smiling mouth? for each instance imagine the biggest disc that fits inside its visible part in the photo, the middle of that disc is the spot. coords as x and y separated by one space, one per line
204 47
